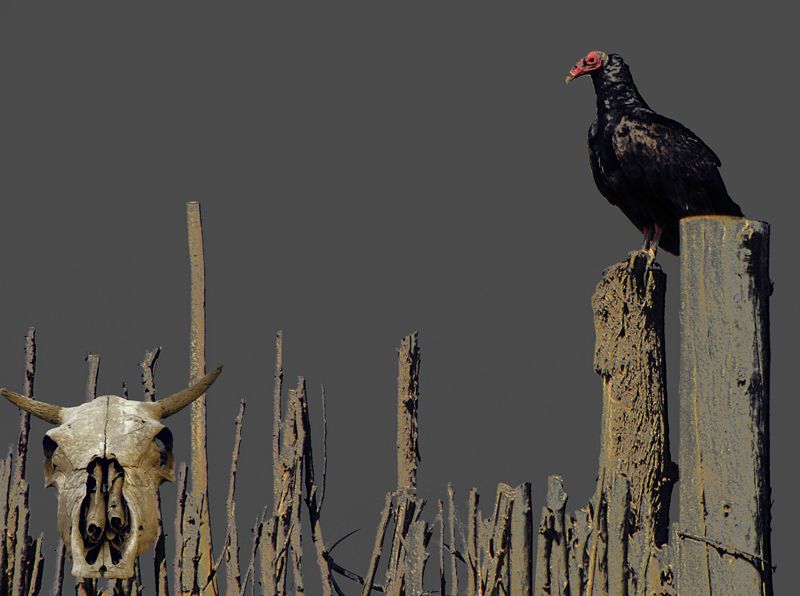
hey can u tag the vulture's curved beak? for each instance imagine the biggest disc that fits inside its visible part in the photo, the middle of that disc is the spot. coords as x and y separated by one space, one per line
574 73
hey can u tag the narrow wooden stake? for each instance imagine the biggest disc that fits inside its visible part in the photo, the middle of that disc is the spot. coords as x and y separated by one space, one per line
725 364
93 360
267 548
17 522
161 574
494 574
544 544
19 582
197 366
37 567
414 558
580 531
181 529
377 548
276 417
88 585
58 577
408 359
556 501
440 520
5 529
295 525
25 417
313 494
521 541
451 519
406 509
233 572
249 575
473 563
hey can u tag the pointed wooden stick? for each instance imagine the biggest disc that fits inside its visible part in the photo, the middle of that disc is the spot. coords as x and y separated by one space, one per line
233 574
311 490
197 365
58 578
276 416
147 366
37 567
451 514
473 562
377 547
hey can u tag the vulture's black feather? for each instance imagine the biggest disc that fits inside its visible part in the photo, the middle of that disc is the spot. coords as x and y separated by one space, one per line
654 169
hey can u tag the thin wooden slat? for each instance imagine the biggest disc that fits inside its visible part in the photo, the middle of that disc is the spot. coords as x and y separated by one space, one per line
408 359
313 494
197 366
19 583
276 416
5 502
451 517
58 576
161 574
380 535
233 573
521 541
37 567
414 559
473 563
556 501
181 516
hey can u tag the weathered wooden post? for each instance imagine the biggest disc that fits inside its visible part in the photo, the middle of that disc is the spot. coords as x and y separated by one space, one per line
197 364
407 507
628 306
724 524
615 545
636 472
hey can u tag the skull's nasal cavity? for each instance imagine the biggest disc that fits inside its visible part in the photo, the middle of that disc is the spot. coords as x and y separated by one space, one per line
104 513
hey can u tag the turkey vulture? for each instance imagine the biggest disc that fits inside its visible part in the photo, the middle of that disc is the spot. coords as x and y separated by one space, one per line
654 169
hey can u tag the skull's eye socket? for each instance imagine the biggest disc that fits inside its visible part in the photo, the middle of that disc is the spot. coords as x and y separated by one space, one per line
163 441
49 446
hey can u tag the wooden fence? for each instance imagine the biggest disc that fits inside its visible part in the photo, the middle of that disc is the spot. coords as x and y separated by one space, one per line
620 543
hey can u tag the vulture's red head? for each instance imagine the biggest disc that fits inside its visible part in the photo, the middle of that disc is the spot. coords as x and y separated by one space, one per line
594 60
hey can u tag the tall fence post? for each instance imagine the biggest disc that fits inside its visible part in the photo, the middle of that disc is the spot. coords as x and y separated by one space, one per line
724 524
197 364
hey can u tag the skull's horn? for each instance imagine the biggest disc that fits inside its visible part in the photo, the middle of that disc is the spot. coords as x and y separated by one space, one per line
47 412
176 402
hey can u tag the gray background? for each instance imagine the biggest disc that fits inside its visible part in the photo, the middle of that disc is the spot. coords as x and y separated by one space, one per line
365 170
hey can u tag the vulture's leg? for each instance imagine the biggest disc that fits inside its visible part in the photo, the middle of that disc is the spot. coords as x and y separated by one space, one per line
653 249
647 234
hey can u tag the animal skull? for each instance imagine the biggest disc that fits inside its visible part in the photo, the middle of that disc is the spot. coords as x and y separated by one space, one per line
107 459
